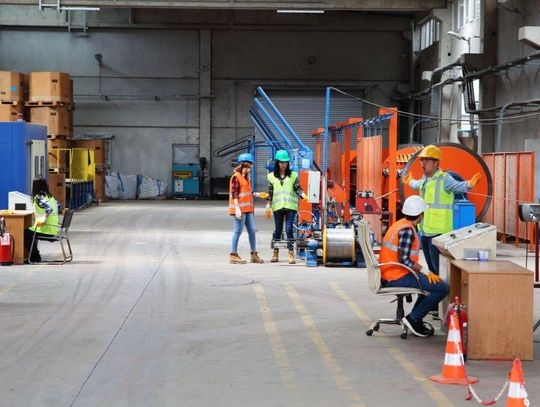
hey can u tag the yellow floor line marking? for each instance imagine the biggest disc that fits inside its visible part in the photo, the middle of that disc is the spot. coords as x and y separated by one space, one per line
409 366
14 284
280 354
333 366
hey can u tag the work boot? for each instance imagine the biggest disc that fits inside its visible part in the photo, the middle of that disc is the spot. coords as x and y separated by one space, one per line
275 256
234 258
255 258
292 260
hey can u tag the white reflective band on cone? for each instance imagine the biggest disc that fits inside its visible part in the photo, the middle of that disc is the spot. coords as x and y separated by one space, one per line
454 336
452 359
517 391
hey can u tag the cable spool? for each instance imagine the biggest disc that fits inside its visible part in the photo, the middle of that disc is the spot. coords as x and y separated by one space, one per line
338 245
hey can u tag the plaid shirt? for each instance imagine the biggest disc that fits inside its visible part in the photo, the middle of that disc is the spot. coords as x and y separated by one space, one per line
235 190
406 239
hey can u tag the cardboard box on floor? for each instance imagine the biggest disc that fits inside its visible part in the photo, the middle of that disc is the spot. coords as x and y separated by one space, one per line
99 150
58 159
11 86
57 188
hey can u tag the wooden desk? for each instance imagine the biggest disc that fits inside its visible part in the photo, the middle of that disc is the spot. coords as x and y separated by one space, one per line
499 303
15 224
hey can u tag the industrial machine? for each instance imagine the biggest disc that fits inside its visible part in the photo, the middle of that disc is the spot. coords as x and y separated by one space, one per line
464 244
185 171
23 157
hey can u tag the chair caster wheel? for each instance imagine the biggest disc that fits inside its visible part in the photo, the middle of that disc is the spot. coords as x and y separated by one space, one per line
376 327
403 335
369 332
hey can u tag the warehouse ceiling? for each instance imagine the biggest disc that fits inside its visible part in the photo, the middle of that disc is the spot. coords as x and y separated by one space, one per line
353 5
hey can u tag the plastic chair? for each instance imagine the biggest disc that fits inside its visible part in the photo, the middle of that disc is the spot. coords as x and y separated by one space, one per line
374 278
59 237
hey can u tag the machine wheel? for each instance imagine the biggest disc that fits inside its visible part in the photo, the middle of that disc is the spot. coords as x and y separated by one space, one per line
403 335
369 332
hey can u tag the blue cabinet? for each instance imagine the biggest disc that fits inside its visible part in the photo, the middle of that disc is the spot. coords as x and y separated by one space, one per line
23 157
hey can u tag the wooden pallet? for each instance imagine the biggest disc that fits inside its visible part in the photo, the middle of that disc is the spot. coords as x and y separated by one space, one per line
11 102
58 170
49 103
58 137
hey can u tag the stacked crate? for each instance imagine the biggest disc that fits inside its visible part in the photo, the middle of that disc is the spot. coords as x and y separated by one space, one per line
50 103
11 96
99 146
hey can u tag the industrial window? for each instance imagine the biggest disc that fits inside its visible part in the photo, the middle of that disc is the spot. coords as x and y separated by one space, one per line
429 33
467 123
464 12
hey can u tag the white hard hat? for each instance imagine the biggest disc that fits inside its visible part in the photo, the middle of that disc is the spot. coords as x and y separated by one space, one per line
413 206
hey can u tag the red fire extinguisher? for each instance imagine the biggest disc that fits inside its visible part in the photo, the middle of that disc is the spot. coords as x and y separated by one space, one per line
463 325
7 245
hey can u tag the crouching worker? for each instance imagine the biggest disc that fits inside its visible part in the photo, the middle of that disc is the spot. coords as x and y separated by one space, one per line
402 245
46 214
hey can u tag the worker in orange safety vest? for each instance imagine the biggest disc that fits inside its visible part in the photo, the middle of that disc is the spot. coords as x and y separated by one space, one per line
401 246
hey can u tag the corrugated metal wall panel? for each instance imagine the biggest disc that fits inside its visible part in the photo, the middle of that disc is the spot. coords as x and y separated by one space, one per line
304 114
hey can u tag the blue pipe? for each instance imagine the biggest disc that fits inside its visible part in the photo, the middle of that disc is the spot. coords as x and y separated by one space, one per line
265 129
274 124
302 146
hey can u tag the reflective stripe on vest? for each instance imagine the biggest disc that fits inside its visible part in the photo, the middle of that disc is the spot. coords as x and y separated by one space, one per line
283 195
389 250
439 215
50 226
245 196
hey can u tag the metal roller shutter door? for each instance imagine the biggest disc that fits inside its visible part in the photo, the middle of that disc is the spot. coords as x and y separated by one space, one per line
305 113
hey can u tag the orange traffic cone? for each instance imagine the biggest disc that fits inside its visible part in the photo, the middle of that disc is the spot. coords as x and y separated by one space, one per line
517 395
453 370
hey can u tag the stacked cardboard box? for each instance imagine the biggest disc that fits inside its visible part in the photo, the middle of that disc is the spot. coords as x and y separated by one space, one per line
57 188
11 96
50 100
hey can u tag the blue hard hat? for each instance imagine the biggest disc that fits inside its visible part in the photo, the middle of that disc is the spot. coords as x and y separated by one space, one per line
246 157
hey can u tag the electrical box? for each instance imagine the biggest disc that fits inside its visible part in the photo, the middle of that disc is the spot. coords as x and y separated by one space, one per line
464 213
185 179
314 186
23 157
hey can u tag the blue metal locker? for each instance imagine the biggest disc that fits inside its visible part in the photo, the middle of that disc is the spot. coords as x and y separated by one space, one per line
23 157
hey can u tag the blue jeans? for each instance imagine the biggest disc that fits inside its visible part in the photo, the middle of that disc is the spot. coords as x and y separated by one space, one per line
431 253
249 221
424 303
288 216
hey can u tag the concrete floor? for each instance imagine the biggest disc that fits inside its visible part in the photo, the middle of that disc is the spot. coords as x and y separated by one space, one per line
150 313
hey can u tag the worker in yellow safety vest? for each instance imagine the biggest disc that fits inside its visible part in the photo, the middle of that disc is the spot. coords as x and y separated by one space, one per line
437 188
401 247
283 192
46 218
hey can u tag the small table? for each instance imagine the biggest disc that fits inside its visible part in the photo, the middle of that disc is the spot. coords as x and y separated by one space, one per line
499 303
16 222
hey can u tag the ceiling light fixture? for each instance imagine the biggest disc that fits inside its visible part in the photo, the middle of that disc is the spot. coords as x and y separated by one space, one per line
301 11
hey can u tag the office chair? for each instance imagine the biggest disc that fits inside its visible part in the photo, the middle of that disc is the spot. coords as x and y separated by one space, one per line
374 279
59 237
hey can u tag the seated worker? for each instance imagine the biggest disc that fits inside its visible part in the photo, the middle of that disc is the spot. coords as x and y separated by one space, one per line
402 245
46 214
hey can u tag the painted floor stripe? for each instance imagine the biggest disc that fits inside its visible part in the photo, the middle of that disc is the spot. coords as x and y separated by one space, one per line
333 366
401 358
280 354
